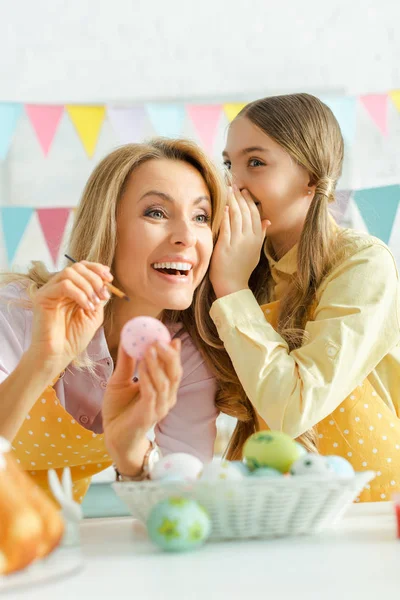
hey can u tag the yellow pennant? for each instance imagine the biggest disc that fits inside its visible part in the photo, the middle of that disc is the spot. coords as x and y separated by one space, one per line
233 109
87 121
395 96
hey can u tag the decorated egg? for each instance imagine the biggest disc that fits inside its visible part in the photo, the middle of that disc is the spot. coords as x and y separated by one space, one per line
243 468
312 464
266 472
139 333
273 449
221 470
179 464
341 466
178 524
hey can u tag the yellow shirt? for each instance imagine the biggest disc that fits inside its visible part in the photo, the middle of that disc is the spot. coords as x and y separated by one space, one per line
354 335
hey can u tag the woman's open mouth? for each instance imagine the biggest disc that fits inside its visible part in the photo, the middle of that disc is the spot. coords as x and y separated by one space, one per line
178 270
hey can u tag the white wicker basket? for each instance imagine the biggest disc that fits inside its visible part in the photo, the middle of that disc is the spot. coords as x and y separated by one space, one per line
255 508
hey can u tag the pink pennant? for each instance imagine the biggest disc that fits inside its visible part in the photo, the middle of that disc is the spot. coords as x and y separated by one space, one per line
45 120
205 118
53 222
376 105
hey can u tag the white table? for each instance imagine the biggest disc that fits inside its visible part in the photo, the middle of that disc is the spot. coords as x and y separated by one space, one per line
359 560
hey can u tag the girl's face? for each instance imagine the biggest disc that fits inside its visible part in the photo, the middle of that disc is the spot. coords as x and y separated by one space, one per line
164 238
277 184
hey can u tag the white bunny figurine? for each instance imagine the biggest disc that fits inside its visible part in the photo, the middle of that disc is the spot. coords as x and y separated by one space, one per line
71 510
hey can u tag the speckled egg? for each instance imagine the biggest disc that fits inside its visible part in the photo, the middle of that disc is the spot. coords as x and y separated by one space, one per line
178 524
341 466
220 470
270 449
179 464
312 464
265 473
140 332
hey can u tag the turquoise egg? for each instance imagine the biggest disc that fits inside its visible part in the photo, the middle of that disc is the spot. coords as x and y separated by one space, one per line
341 466
242 467
178 524
266 472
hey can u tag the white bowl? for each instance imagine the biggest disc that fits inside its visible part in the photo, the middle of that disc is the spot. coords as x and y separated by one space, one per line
255 508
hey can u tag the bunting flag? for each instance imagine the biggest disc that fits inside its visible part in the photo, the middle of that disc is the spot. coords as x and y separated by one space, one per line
395 97
45 120
53 222
9 115
167 119
205 118
127 123
378 208
14 220
344 109
232 109
376 106
87 121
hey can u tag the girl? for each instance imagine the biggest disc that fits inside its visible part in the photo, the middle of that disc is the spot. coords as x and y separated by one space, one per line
320 359
149 214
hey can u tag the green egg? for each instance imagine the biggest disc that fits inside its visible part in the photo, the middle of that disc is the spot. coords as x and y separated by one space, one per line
178 524
273 449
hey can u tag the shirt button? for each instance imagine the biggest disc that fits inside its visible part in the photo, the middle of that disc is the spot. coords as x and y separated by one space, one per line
331 351
103 384
84 419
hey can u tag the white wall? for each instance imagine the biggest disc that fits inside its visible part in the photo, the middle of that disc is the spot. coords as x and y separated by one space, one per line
124 50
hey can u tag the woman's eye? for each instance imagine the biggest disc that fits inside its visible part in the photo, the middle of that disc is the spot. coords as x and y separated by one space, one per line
254 162
203 218
155 213
227 164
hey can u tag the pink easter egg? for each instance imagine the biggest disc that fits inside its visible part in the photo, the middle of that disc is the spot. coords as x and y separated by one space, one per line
140 332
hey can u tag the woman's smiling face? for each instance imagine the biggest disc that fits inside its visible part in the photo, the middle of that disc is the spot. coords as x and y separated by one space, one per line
164 238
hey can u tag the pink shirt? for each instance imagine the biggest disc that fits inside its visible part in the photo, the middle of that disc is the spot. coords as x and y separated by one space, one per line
189 427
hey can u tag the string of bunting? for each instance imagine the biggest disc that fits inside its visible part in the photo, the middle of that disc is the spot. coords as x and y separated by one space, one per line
167 119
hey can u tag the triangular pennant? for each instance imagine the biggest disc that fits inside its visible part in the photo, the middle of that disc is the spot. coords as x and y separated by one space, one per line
376 105
344 109
15 220
395 96
127 123
341 205
45 120
378 208
53 222
87 121
167 119
205 118
9 115
232 109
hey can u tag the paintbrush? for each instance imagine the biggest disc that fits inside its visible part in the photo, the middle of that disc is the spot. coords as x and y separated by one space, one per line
111 288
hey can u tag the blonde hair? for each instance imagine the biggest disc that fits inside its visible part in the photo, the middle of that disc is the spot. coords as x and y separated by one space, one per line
307 129
94 238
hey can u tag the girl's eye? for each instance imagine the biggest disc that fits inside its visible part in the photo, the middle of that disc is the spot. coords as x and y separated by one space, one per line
155 213
254 162
203 218
227 165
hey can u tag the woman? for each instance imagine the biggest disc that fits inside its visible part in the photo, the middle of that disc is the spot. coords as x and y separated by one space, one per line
321 358
148 215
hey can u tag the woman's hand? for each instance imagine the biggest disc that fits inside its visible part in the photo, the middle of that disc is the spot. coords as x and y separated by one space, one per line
130 409
237 251
67 311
